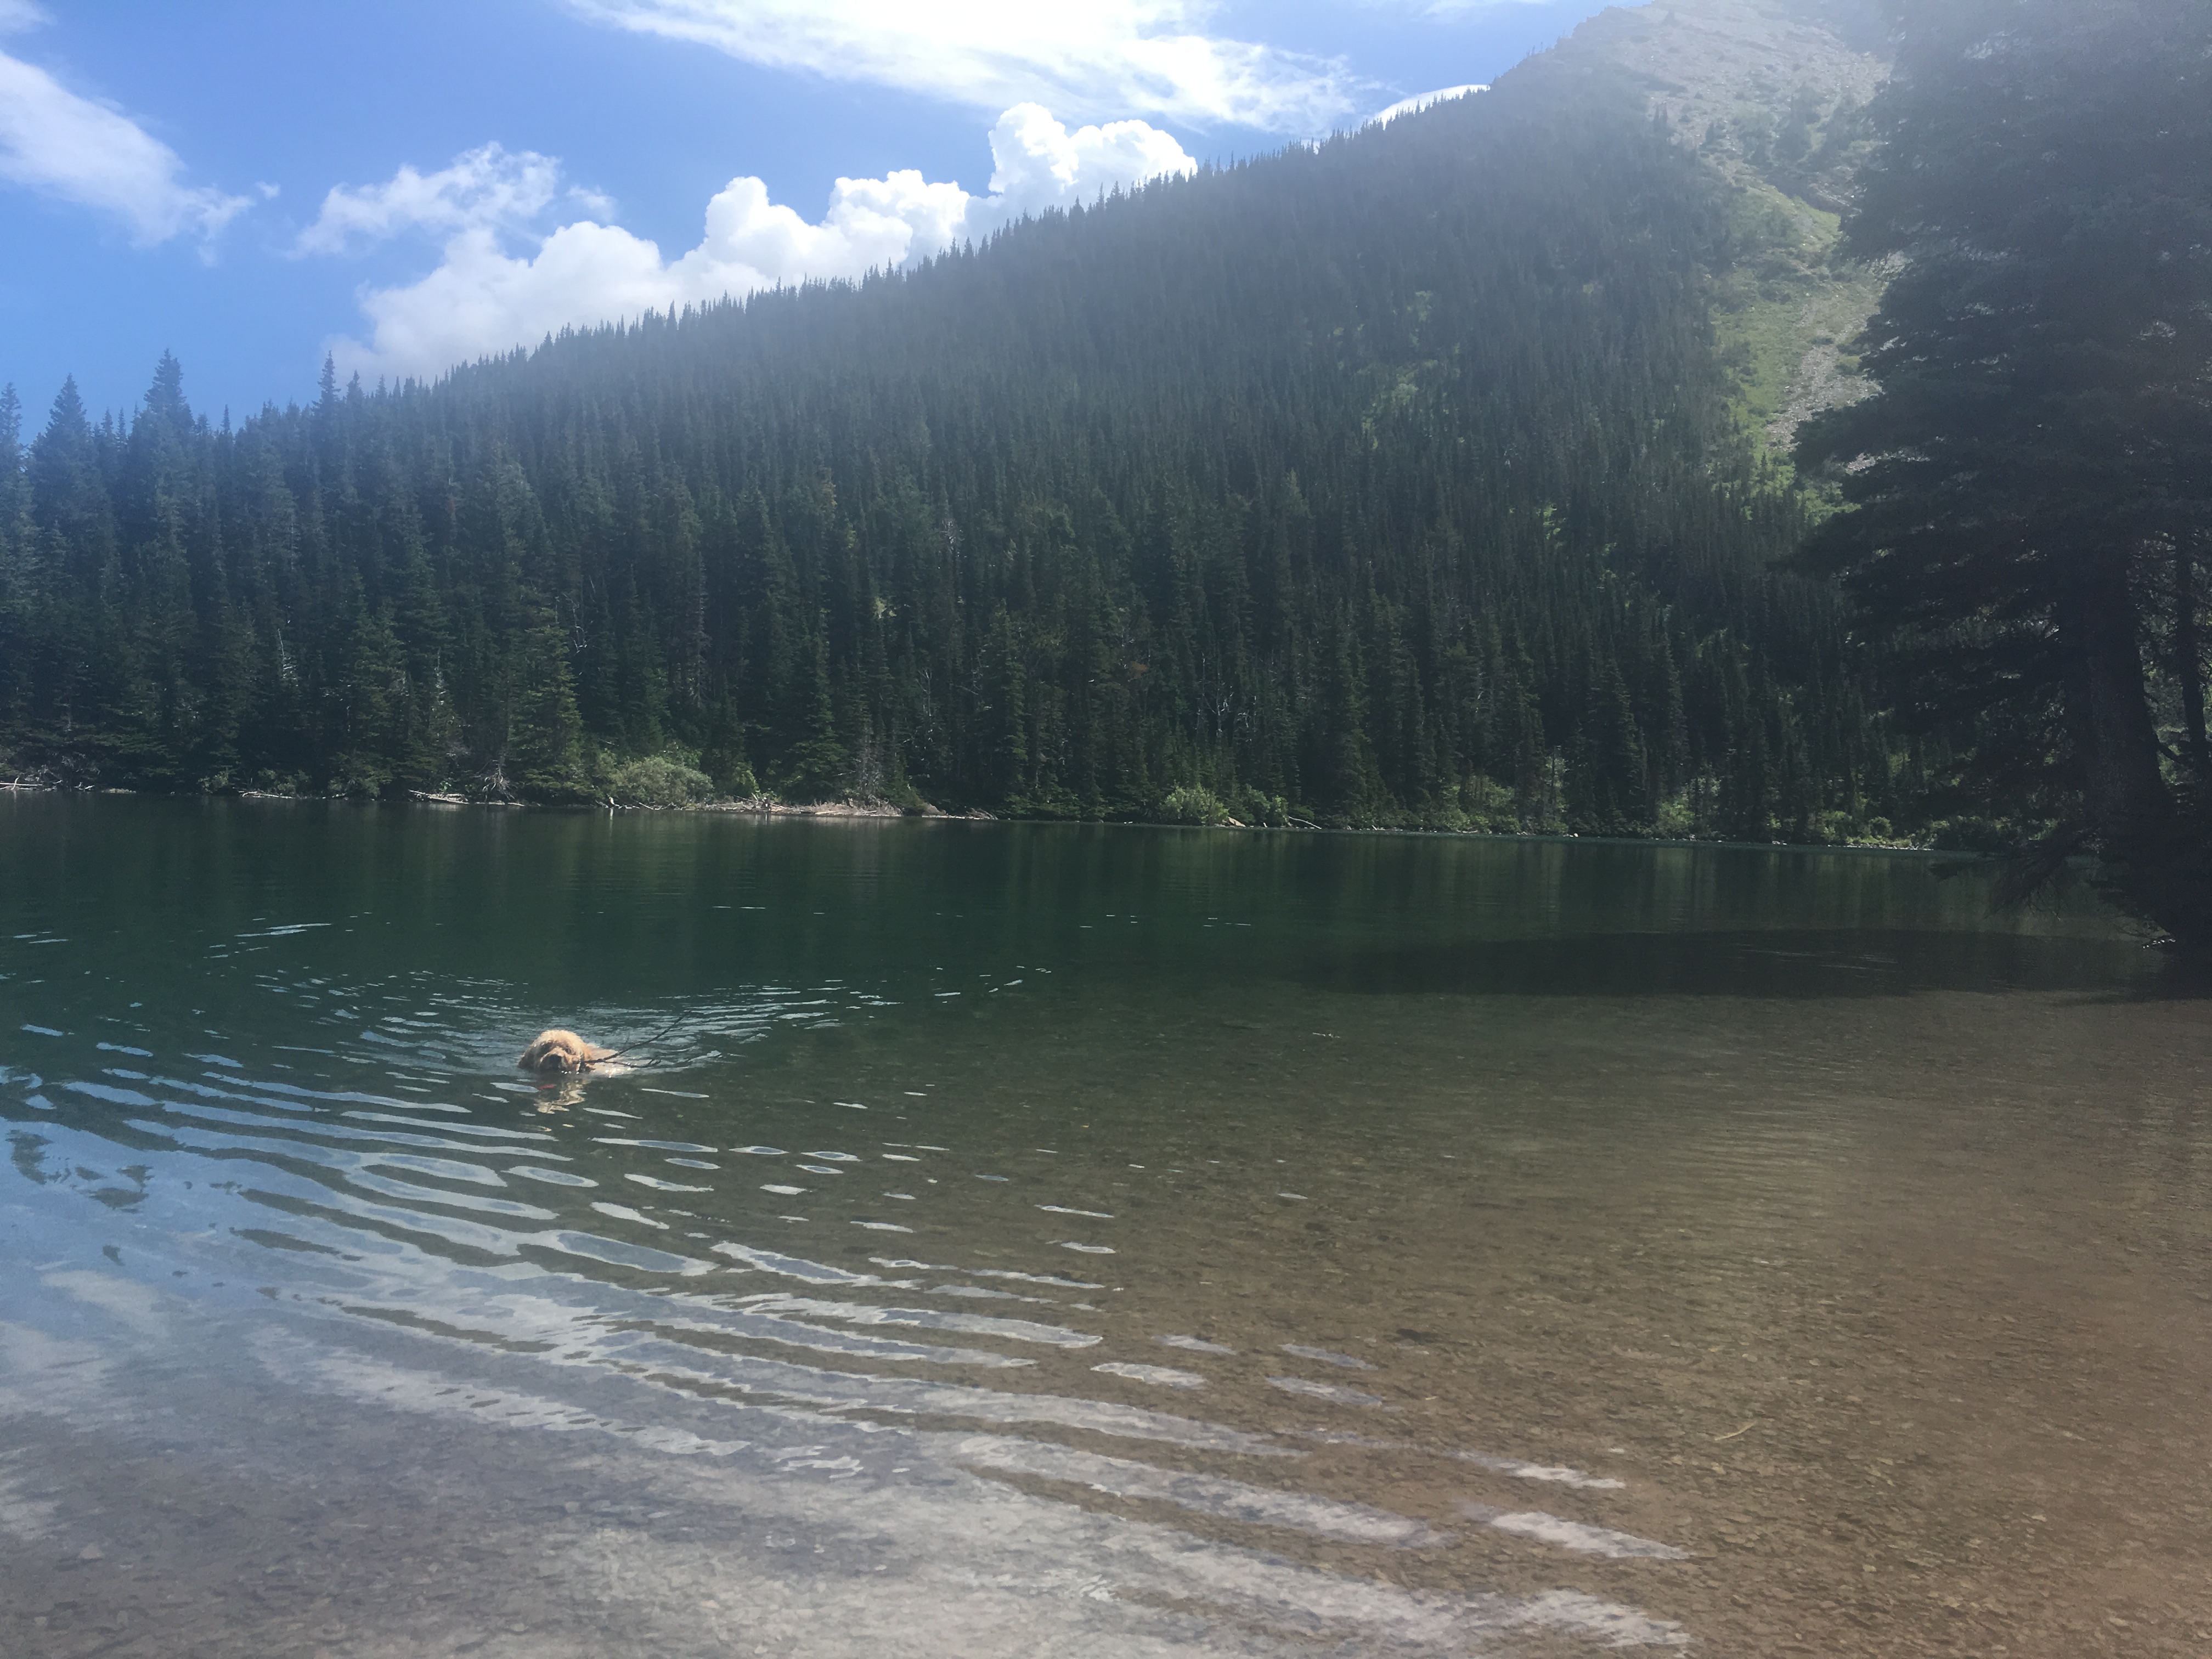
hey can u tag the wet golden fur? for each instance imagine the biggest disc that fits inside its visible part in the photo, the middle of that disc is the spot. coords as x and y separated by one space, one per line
562 1051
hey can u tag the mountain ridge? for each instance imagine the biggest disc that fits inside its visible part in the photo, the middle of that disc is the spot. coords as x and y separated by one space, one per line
1770 96
1396 481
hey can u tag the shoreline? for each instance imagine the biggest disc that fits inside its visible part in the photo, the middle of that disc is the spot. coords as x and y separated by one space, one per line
767 806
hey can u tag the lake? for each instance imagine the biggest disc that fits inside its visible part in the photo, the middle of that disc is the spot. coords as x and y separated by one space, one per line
1024 1239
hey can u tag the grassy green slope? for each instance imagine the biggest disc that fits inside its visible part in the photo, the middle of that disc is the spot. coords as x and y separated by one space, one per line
1769 93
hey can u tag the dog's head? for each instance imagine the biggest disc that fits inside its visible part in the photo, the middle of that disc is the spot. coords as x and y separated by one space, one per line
558 1051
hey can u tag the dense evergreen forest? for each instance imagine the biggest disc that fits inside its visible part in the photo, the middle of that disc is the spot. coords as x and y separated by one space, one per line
1391 481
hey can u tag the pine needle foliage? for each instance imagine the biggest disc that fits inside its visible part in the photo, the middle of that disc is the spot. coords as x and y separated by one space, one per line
2030 491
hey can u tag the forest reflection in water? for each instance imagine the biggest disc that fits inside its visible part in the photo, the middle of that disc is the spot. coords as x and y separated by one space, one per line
1087 1239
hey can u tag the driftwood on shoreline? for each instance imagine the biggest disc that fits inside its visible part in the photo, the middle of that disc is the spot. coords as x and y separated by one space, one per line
759 805
755 805
768 806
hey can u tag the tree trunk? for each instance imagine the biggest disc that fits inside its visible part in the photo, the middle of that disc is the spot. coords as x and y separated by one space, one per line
2116 744
2188 661
2156 864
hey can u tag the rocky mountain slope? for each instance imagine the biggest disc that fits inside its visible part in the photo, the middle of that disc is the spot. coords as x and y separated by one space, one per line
1770 93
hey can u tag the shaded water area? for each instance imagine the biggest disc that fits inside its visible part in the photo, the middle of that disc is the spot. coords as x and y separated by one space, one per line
1077 1240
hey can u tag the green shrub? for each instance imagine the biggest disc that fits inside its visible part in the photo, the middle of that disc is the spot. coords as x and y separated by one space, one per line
1192 804
658 780
360 777
1270 811
732 778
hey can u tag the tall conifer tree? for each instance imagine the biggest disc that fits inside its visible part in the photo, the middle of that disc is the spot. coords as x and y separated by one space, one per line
2030 489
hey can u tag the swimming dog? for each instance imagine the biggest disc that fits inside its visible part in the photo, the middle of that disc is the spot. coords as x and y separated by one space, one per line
562 1051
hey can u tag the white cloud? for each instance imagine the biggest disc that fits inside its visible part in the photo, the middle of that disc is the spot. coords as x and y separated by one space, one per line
16 16
1084 56
483 300
1037 163
55 142
482 189
1420 102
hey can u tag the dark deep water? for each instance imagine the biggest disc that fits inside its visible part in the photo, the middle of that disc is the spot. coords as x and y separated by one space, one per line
1077 1240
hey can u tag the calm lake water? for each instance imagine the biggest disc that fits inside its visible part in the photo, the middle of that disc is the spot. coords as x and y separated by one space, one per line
1025 1240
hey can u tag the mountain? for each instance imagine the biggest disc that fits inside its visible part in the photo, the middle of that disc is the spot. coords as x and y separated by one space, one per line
1421 476
1771 94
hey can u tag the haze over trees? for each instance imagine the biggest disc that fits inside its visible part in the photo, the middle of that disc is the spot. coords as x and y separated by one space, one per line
1391 482
1430 475
2032 490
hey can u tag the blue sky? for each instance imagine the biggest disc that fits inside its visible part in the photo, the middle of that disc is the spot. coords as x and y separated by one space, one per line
252 183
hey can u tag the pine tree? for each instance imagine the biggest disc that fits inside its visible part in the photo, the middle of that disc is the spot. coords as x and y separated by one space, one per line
722 756
2031 487
21 599
545 761
817 765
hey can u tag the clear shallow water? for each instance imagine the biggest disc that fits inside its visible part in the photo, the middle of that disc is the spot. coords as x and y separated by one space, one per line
1070 1239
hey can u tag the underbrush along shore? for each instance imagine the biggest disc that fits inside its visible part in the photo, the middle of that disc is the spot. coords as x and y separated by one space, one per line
765 805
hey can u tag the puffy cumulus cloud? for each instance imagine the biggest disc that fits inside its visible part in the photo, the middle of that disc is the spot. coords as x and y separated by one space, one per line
1037 163
1086 57
60 144
482 298
483 188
